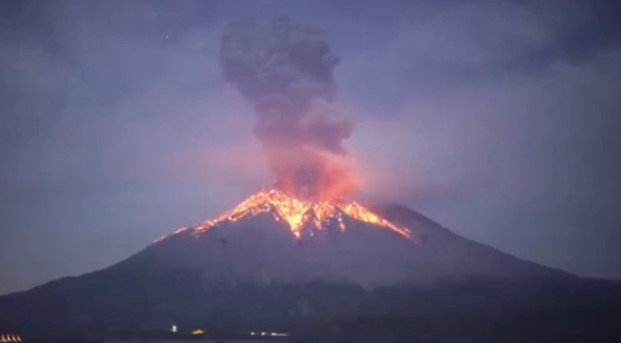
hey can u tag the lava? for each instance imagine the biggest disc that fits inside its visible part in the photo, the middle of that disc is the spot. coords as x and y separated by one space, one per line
299 214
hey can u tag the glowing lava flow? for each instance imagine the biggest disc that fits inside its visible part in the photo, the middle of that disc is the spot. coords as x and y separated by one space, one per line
299 214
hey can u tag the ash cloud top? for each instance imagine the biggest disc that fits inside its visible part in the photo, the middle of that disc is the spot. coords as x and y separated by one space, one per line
285 70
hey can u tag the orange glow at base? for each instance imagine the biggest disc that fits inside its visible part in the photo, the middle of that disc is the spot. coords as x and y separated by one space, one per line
300 214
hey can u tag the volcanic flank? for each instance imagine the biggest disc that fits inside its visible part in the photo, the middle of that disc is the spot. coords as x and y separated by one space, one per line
273 237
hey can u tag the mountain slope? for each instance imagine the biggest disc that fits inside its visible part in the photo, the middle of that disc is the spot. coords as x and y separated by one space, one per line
257 268
261 250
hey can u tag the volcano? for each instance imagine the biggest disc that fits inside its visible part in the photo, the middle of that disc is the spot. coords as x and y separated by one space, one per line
273 237
310 268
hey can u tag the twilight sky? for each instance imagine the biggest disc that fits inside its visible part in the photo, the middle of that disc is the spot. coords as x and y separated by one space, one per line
501 120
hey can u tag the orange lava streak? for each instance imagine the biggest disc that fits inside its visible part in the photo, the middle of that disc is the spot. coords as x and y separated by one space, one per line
299 214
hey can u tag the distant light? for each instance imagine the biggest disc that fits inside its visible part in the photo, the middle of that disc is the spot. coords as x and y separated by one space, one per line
7 338
174 329
198 332
266 333
279 334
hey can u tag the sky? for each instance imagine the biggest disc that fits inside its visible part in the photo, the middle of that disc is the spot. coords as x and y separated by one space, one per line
500 120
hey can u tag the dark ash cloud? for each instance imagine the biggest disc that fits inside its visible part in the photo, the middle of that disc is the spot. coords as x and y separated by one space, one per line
286 71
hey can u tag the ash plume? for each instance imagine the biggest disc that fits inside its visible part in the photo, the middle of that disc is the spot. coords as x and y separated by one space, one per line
285 70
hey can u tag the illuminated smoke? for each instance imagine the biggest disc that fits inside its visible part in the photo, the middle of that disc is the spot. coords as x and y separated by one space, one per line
285 70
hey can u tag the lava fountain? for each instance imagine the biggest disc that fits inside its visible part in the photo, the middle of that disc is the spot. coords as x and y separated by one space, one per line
299 214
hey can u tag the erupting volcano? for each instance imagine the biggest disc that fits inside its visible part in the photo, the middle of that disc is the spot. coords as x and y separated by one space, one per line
302 257
301 216
306 228
285 71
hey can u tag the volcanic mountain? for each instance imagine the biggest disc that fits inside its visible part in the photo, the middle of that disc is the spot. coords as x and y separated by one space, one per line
283 263
272 237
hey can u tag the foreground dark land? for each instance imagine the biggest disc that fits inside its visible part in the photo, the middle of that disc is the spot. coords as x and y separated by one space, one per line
465 311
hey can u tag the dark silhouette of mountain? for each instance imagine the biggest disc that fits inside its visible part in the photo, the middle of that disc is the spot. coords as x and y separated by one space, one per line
362 284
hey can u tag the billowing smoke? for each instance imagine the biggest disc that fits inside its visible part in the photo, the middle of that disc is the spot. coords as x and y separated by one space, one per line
286 71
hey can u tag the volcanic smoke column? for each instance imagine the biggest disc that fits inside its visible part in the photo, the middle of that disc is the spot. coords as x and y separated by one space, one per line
286 71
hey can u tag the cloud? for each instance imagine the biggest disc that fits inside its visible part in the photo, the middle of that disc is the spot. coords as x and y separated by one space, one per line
285 70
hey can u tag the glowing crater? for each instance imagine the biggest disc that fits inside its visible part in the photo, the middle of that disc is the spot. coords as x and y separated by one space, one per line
299 214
